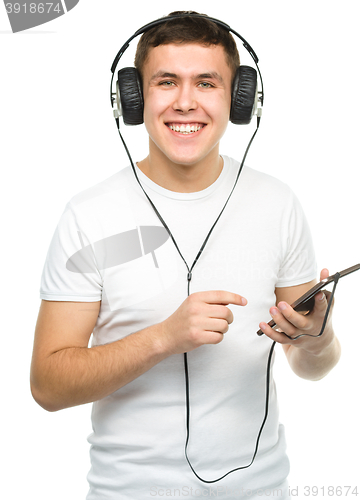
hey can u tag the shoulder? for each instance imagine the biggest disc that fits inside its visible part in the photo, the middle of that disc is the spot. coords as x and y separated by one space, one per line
102 190
254 183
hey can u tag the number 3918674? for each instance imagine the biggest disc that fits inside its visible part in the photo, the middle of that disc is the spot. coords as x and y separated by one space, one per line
33 8
331 491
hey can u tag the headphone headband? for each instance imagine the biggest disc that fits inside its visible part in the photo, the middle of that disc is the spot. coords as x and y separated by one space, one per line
162 20
127 98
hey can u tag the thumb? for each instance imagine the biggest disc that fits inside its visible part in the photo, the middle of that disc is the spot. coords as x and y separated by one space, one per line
324 273
321 303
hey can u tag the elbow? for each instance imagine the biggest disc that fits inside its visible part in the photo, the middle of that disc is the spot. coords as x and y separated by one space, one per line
42 398
41 390
333 358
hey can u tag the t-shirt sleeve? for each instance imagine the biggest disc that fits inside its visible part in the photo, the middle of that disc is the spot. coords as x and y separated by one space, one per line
298 263
70 271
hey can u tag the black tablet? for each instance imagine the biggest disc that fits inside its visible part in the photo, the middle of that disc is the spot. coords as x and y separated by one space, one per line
306 302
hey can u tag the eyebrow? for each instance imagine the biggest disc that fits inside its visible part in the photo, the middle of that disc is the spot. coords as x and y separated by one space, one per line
162 74
165 74
213 76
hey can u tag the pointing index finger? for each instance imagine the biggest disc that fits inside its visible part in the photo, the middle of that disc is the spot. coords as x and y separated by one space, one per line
223 297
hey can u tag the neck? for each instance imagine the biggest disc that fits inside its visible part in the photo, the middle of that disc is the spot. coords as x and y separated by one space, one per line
181 177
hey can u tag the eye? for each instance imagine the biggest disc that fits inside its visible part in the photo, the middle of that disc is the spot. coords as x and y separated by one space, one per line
205 85
166 83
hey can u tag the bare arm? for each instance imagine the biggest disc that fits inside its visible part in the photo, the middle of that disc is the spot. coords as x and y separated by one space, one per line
310 358
65 372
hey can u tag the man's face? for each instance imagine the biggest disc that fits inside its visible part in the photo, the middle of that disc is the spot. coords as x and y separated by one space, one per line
187 96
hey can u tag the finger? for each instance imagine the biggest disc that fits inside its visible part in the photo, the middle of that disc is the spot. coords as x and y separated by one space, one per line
221 312
288 319
324 273
211 337
273 334
217 325
321 304
222 297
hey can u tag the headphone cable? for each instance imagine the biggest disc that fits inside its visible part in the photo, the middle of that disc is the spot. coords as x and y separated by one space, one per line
189 277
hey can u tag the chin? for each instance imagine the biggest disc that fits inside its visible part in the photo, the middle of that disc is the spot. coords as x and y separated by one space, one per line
186 157
184 160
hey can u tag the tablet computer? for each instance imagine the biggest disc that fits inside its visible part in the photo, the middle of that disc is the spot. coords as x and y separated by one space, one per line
306 302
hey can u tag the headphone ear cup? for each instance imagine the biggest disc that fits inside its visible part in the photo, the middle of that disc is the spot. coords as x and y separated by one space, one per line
131 97
243 98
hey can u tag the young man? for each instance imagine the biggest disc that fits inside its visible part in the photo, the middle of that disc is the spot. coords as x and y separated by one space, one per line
134 297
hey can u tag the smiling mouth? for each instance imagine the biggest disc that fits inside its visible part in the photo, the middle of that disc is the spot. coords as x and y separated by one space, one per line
185 128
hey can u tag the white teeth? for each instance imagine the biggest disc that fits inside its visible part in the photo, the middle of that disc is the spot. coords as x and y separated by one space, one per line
185 129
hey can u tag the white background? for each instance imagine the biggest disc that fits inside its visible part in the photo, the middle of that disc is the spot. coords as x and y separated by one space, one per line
58 137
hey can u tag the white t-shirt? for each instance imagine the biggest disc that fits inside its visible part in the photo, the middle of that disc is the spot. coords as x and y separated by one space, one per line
110 246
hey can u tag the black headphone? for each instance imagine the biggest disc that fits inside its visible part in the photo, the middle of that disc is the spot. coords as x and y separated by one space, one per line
127 101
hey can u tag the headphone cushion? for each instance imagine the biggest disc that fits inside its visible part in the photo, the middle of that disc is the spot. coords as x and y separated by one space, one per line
131 97
243 95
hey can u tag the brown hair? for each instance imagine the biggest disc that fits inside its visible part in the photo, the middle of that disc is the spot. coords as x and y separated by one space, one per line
187 30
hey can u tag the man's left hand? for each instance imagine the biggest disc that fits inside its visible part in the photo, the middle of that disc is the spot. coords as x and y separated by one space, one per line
293 324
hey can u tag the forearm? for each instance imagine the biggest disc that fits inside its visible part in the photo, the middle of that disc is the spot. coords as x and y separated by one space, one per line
65 372
314 365
79 375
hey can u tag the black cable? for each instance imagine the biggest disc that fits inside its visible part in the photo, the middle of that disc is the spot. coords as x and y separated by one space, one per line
231 192
189 277
151 203
267 398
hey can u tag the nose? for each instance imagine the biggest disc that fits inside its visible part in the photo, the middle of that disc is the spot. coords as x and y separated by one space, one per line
185 99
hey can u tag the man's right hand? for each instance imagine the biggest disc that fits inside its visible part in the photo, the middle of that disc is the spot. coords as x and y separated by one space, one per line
66 372
202 318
